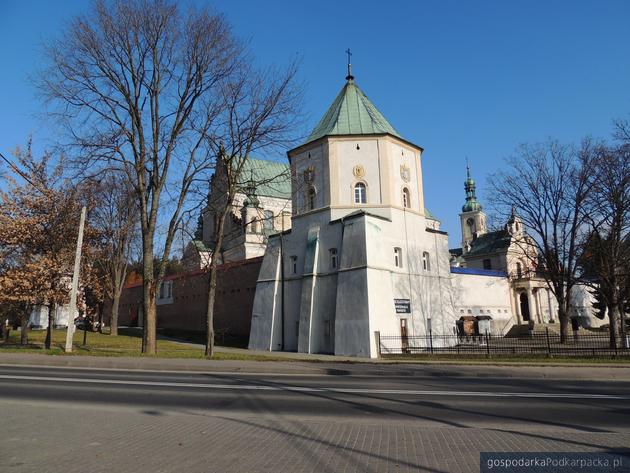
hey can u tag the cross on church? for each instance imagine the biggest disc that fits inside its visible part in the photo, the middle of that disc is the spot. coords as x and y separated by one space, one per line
349 76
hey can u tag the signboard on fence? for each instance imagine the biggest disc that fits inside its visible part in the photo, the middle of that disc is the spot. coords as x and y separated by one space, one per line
403 306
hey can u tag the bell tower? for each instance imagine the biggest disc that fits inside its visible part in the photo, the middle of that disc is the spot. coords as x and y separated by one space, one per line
472 218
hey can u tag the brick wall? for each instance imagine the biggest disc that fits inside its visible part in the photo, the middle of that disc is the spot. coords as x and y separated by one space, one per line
236 287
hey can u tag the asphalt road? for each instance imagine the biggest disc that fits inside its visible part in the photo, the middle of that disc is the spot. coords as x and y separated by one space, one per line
108 420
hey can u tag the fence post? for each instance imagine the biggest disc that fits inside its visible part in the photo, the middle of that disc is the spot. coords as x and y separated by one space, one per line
548 342
487 345
377 339
431 341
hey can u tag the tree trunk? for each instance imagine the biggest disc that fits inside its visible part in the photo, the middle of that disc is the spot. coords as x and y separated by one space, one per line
613 319
49 329
212 286
100 317
212 289
149 292
113 323
24 329
149 342
563 317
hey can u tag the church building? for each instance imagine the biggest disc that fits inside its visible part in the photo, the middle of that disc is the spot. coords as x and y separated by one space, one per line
495 274
363 255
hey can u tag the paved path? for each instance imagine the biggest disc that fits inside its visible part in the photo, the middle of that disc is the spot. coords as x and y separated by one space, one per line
77 420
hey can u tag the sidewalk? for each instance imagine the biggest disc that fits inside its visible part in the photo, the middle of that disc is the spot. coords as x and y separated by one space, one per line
302 364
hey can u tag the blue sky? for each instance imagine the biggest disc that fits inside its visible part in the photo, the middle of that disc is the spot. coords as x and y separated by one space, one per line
461 79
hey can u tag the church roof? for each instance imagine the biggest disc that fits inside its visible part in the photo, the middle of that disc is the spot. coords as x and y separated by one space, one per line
271 178
489 243
351 113
201 246
428 214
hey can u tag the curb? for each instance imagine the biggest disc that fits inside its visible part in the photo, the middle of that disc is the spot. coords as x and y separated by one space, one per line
321 368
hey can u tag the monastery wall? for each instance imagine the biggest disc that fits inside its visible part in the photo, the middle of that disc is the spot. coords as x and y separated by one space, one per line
185 310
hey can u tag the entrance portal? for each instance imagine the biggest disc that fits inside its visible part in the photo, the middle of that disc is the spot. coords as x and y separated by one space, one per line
524 306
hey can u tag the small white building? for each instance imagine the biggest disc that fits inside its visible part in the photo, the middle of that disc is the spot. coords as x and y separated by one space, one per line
363 254
39 317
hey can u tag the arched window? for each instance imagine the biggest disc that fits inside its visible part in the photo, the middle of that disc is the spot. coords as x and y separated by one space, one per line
406 198
310 198
268 221
360 193
398 257
333 258
519 270
253 226
426 261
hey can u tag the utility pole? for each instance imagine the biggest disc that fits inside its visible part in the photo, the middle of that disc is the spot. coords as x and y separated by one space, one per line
75 283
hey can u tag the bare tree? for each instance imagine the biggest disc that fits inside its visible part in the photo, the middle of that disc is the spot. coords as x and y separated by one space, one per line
548 185
260 114
137 84
115 219
606 254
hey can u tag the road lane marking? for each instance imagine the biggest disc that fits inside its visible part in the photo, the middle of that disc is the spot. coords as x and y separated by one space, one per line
306 389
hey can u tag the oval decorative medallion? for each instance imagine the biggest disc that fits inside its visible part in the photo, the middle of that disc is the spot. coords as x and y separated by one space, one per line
405 173
358 171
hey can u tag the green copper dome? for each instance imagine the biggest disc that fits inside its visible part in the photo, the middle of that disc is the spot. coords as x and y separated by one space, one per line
471 205
351 113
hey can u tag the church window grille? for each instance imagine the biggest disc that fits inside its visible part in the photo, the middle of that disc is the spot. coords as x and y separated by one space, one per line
333 258
360 193
398 257
294 264
406 198
426 261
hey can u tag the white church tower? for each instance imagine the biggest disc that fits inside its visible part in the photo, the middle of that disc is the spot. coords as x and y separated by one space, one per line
363 255
472 218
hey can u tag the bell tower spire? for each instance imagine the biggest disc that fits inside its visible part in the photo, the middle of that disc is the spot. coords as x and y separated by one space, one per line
472 218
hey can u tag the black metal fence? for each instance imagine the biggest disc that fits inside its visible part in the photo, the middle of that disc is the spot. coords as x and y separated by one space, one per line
544 344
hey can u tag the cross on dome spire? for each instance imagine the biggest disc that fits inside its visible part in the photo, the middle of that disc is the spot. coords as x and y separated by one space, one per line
349 77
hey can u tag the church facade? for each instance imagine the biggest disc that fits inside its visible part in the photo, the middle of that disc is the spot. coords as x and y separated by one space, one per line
260 208
363 255
510 253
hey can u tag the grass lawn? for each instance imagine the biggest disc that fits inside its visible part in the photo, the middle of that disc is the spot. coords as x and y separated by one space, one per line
102 344
129 343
